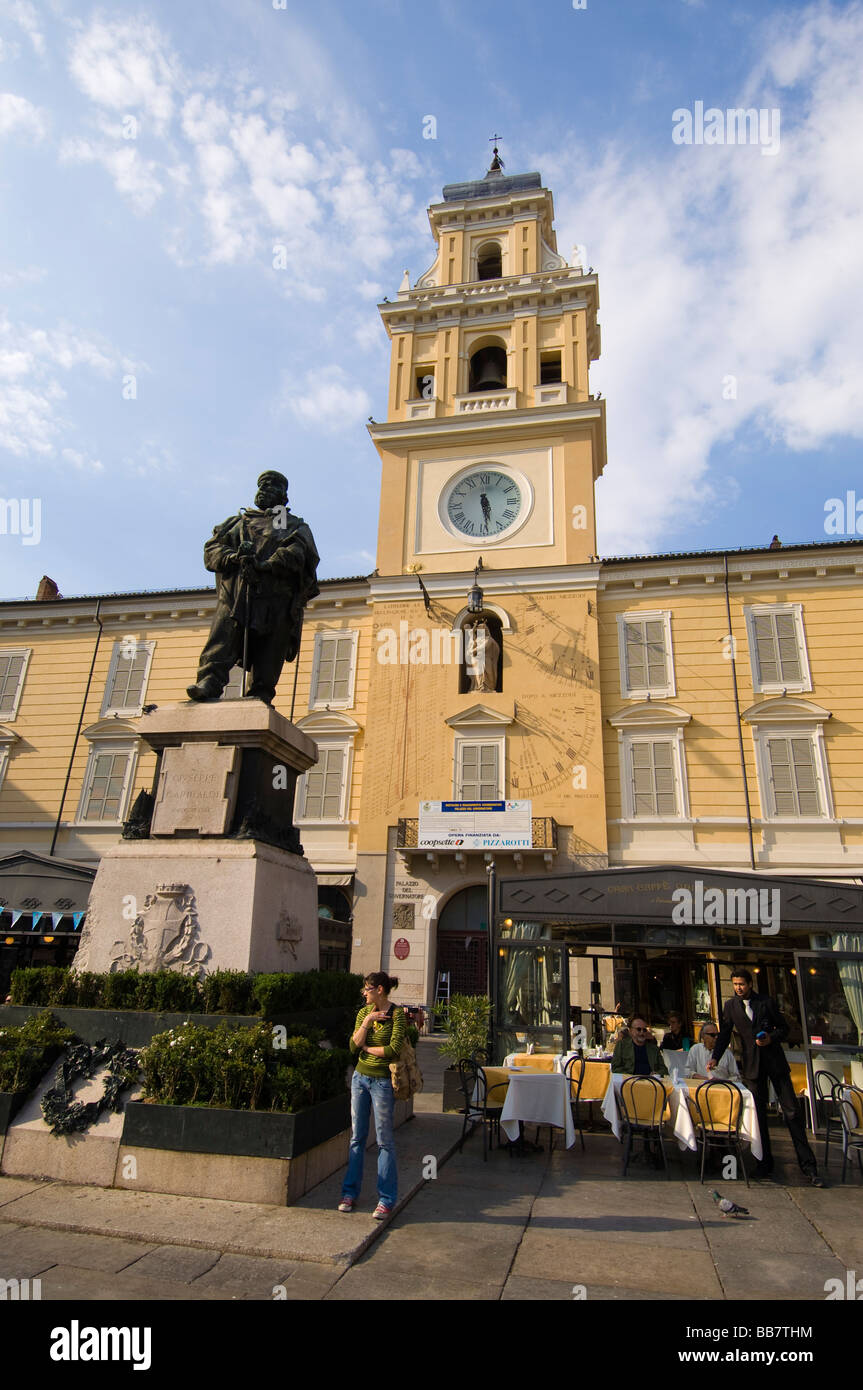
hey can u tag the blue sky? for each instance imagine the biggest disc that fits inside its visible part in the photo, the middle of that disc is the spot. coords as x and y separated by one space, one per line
153 360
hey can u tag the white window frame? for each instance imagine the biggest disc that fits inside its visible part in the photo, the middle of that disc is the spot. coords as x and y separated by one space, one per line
333 634
8 738
815 733
657 734
477 740
641 692
104 744
12 712
777 687
116 658
345 746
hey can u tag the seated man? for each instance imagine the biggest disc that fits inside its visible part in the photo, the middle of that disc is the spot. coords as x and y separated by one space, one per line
698 1056
638 1054
675 1040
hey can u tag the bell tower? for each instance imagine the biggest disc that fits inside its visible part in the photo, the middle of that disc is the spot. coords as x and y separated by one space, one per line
492 442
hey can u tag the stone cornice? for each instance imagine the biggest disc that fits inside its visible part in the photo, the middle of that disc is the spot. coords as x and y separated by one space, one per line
648 576
446 429
497 584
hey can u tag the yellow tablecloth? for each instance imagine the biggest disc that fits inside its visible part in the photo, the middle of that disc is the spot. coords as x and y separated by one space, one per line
534 1061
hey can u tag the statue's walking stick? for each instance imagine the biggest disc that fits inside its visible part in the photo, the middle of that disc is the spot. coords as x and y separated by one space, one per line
246 580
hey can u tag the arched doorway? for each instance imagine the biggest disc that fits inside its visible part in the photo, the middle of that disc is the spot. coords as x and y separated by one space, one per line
462 941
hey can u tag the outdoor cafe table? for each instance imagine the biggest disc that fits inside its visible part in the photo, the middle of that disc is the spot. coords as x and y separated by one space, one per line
532 1097
679 1115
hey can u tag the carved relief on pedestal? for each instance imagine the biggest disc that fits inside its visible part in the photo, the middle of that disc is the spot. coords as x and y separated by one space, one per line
164 935
289 930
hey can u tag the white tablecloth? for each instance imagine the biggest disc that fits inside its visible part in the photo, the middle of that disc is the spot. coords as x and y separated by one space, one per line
681 1120
537 1098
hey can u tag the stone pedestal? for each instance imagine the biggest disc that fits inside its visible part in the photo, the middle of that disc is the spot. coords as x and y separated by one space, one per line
219 881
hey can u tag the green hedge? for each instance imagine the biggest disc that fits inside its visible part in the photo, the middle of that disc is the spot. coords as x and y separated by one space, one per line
167 991
241 1068
27 1052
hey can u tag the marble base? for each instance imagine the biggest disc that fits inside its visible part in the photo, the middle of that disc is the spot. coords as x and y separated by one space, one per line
199 906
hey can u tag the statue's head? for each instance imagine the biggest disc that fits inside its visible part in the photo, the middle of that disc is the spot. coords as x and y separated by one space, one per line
272 491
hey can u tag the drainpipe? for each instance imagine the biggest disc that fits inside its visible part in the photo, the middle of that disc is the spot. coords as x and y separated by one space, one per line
98 622
739 724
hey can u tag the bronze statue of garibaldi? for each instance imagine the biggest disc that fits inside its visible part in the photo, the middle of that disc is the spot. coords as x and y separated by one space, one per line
265 561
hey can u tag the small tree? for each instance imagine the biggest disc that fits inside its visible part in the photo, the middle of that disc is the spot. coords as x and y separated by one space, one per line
466 1026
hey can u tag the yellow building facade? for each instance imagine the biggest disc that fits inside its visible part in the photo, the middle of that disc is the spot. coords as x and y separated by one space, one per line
699 710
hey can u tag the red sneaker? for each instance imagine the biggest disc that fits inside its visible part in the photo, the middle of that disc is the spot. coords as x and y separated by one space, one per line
347 1204
382 1211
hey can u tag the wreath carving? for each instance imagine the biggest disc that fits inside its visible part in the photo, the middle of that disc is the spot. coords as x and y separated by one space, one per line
68 1116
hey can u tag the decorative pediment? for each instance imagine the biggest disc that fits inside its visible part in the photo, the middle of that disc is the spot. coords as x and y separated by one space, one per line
327 721
8 736
110 728
650 714
785 709
479 716
465 613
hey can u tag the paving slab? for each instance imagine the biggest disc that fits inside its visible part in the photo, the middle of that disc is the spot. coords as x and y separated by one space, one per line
248 1276
74 1284
41 1248
450 1250
748 1273
179 1264
594 1260
13 1188
369 1283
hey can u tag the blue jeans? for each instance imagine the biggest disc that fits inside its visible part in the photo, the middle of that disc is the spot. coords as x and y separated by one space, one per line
368 1092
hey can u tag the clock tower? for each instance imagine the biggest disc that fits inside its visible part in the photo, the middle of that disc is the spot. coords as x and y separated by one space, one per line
489 456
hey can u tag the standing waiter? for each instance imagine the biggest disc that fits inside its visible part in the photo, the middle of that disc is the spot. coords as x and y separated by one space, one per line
762 1029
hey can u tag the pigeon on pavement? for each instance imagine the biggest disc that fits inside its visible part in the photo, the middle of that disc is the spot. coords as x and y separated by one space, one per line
727 1207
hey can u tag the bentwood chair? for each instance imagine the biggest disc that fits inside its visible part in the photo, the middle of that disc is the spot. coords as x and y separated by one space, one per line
574 1073
850 1102
641 1102
481 1105
716 1110
827 1109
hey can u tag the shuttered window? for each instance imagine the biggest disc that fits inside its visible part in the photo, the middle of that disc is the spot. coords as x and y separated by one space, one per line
777 649
105 785
478 772
127 677
653 781
334 669
13 664
793 777
645 655
324 785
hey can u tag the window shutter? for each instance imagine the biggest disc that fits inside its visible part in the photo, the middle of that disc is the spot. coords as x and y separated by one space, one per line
788 648
793 776
478 780
106 786
766 656
11 672
653 789
323 799
645 655
335 661
130 674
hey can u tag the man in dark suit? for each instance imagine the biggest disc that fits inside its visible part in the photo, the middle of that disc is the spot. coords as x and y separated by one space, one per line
761 1029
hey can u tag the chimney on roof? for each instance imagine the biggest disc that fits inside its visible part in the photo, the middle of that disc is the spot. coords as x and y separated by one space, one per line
47 589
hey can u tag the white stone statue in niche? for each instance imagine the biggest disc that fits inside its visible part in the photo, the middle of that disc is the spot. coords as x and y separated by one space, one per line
481 655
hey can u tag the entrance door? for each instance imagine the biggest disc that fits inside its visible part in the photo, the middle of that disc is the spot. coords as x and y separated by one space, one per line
462 942
466 959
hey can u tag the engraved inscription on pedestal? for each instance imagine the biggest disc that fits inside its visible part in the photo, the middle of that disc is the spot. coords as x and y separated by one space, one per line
197 789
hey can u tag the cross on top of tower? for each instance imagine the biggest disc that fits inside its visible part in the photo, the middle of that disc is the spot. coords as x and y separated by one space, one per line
497 164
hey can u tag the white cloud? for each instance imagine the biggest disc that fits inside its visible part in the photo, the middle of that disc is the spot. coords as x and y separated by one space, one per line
127 65
326 399
23 13
83 462
717 263
134 177
31 418
20 116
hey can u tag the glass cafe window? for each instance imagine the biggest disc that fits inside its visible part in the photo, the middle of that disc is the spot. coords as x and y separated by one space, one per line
833 997
529 991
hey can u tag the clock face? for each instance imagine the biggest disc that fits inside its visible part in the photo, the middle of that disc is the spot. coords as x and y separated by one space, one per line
484 503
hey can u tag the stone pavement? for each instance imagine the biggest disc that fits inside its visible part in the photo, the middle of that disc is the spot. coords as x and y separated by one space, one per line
540 1227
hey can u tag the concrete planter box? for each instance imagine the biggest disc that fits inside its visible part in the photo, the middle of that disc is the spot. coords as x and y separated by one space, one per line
453 1096
242 1133
235 1155
10 1104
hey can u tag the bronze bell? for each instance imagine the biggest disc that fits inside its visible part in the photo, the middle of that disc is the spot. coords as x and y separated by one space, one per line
488 370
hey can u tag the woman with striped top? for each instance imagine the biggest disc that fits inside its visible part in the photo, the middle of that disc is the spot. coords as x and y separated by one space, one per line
376 1041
